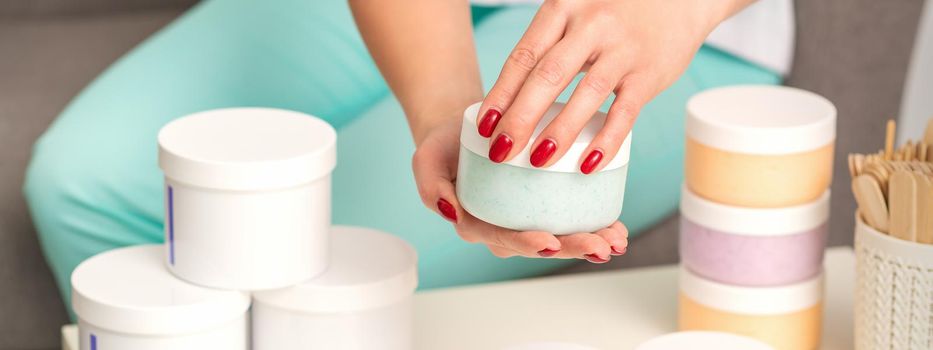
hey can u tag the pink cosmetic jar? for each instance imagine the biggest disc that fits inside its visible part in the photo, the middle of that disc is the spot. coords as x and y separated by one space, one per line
753 246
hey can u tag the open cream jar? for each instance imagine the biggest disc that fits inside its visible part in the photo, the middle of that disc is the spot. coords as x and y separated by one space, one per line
558 199
759 146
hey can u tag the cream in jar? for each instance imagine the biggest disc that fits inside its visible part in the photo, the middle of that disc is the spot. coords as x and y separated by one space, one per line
558 199
786 317
759 146
753 246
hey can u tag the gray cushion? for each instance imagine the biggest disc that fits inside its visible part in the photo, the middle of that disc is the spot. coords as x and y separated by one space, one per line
44 63
45 8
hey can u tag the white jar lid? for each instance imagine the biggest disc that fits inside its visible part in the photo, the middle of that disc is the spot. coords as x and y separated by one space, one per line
549 346
754 221
569 163
703 340
761 119
367 269
128 290
247 149
751 300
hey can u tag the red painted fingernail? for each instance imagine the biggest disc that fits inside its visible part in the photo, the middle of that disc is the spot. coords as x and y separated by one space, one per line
618 251
543 152
500 148
593 258
447 210
547 253
488 123
591 161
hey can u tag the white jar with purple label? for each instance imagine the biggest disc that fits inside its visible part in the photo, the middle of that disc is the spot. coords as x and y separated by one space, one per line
753 246
363 301
126 299
247 197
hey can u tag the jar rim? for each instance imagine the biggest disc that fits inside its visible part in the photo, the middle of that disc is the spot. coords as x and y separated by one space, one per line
569 162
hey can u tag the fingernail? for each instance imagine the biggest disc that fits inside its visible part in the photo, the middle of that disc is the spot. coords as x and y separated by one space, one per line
591 161
488 123
500 148
618 251
593 258
543 152
447 210
547 253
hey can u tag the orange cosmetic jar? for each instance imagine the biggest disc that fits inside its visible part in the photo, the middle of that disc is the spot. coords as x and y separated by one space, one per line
759 146
786 317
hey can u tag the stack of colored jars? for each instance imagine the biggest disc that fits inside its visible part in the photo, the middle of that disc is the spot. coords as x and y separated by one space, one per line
754 213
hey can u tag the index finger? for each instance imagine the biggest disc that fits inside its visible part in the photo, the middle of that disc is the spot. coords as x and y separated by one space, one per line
546 28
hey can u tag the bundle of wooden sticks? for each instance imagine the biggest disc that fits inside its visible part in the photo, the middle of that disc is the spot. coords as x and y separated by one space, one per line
894 187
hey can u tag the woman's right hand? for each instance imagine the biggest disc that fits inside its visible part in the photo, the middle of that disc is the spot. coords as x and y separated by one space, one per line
435 168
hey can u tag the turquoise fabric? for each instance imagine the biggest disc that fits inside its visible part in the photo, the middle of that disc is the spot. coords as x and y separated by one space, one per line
94 185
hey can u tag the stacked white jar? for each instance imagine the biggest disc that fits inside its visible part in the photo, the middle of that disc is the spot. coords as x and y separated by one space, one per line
247 209
126 299
247 197
363 300
754 213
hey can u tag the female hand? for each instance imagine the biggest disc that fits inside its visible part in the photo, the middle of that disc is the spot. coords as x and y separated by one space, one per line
435 169
632 48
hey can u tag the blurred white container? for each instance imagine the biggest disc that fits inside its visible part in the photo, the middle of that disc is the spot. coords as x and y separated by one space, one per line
893 293
363 300
549 346
247 198
126 299
700 340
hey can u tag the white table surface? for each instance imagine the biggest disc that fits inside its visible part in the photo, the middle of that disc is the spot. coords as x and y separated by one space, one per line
608 310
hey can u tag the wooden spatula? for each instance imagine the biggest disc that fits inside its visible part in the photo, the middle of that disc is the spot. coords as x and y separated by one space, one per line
928 133
902 198
924 215
871 202
890 129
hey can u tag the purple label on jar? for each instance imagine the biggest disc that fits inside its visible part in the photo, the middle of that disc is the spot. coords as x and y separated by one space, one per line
752 260
171 227
93 342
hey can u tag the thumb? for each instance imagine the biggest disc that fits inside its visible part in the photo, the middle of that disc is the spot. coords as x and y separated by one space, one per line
435 171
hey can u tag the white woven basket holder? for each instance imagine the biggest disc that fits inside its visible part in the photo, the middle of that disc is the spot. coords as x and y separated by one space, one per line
893 293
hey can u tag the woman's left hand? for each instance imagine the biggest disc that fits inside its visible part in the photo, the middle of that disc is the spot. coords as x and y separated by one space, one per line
632 48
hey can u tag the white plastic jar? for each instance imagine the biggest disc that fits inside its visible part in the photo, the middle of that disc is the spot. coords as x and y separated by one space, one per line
759 145
247 197
363 300
700 340
558 199
126 299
